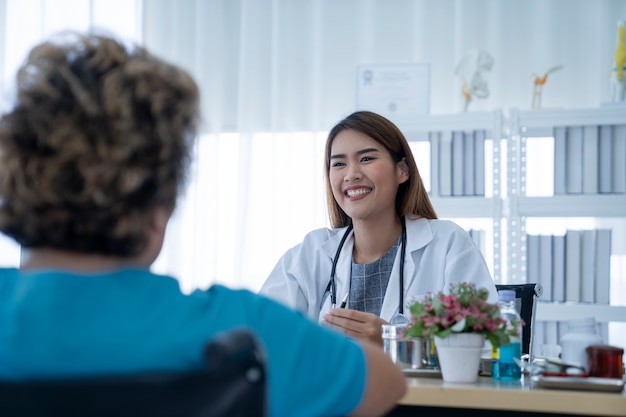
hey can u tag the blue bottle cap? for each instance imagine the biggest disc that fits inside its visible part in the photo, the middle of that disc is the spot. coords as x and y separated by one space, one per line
506 295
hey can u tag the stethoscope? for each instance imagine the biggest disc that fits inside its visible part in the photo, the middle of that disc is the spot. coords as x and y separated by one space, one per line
398 318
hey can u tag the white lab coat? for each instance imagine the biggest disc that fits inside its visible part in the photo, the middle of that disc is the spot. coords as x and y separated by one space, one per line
438 253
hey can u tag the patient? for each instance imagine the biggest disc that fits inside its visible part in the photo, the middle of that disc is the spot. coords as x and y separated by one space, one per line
93 156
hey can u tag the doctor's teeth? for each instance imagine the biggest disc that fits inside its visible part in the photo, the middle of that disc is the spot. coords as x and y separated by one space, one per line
355 193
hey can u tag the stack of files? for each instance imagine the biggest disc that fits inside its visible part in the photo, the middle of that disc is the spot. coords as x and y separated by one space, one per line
574 267
590 159
460 167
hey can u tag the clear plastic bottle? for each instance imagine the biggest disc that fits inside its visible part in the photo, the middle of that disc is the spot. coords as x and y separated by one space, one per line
504 367
581 333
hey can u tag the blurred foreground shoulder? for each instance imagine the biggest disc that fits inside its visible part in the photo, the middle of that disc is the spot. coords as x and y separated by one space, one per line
340 375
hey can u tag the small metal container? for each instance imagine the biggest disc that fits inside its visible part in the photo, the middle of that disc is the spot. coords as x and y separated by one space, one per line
406 352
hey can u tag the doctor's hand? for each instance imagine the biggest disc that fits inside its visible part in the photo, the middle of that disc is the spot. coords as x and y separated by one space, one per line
358 324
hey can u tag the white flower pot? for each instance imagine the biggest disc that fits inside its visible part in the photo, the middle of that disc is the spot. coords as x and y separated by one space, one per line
459 356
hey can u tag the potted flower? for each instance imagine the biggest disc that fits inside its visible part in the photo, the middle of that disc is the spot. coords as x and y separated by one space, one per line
460 319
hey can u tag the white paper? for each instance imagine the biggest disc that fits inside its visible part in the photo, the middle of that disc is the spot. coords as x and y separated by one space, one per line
396 91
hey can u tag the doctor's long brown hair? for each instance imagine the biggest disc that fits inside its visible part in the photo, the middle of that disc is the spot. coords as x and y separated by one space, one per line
412 200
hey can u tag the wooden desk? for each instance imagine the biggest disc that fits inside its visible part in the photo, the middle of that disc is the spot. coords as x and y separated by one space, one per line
499 398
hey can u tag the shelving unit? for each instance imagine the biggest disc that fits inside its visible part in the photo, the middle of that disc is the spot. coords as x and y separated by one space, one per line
527 124
519 207
422 129
573 206
510 209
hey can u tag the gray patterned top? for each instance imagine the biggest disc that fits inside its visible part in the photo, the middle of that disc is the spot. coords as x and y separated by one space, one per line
368 282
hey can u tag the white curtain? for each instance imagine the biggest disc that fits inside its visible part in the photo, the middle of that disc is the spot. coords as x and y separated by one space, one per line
289 65
275 75
26 22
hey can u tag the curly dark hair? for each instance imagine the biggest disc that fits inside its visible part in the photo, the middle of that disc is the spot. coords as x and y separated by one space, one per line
100 134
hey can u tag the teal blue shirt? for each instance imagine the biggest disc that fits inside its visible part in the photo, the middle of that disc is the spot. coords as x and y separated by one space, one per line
60 324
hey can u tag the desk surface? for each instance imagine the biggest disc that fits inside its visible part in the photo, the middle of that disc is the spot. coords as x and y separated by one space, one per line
511 396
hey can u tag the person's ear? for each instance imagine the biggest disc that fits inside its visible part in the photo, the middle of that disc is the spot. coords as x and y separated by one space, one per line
402 170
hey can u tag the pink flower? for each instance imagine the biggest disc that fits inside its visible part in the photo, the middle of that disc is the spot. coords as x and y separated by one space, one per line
463 309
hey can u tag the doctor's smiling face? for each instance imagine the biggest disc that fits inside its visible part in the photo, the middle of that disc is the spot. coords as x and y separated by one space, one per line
370 170
364 177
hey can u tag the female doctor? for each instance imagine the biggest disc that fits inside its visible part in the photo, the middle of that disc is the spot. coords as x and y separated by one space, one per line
386 248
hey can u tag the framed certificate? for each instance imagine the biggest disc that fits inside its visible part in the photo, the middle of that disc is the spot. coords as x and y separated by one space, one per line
396 91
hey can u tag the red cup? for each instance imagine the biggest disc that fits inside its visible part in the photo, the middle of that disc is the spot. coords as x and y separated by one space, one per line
605 361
